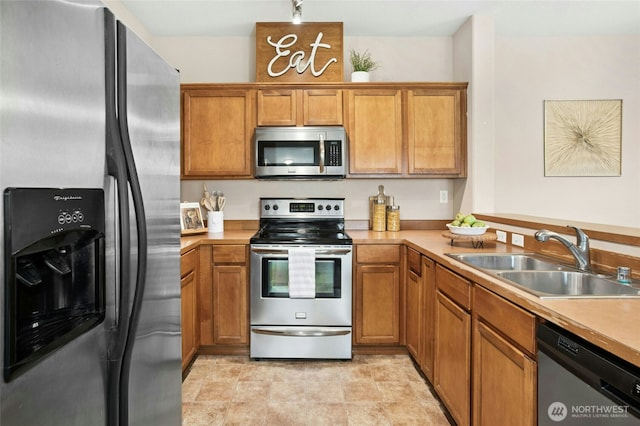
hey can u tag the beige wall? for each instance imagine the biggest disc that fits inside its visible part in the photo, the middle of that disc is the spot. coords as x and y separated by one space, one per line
509 79
531 70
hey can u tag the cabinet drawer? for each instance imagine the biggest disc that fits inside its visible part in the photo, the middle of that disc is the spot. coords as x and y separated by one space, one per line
229 254
414 261
188 262
514 322
454 286
378 253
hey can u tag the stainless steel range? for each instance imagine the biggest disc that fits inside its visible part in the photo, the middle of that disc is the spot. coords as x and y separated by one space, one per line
301 290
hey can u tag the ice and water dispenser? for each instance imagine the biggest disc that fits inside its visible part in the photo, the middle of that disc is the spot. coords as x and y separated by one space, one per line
54 270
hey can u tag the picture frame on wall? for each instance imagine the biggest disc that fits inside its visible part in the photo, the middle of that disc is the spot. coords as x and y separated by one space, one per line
191 221
583 137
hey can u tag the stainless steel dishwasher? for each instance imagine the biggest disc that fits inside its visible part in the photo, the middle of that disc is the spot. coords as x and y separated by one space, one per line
581 384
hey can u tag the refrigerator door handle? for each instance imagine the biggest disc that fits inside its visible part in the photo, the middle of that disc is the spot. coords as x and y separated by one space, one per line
116 167
140 217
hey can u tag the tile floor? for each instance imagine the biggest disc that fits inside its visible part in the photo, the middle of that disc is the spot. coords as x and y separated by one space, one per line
369 390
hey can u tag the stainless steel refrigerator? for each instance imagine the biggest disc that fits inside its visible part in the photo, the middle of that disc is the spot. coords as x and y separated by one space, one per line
89 174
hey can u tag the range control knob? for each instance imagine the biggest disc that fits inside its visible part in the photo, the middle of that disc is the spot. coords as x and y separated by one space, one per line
328 207
275 207
267 207
320 207
336 207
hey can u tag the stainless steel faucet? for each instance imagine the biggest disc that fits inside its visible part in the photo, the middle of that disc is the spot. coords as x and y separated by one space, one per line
580 250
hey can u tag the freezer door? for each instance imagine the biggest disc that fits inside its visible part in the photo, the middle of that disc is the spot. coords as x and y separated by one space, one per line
52 125
153 118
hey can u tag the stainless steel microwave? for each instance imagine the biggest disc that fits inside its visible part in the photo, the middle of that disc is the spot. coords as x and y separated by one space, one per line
300 152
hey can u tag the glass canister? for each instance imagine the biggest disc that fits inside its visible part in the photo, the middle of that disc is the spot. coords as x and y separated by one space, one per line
379 215
393 218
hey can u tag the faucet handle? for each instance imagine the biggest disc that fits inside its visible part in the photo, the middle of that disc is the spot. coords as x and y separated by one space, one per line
581 238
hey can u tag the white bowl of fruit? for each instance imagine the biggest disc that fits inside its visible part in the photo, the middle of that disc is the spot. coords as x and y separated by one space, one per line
467 225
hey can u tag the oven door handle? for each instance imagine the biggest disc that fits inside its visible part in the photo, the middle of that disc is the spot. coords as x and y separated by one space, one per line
285 251
301 333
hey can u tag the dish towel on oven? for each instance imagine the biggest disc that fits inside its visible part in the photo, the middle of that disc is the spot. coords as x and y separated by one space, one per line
302 273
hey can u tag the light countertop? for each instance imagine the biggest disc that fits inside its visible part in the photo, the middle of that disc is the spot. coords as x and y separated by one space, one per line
612 324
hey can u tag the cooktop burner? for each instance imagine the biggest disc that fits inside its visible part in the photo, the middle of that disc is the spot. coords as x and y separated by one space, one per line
301 221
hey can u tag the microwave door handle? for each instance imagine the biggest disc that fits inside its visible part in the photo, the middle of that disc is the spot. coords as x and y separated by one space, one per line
321 153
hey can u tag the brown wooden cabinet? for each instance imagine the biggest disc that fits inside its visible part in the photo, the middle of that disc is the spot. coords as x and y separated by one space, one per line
428 316
394 129
452 361
414 307
436 132
504 370
217 127
189 306
230 295
374 126
377 294
299 107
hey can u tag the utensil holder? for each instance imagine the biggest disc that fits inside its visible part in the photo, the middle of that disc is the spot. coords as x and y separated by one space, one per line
215 221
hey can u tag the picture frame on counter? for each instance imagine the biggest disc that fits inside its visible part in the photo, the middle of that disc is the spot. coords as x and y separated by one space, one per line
191 221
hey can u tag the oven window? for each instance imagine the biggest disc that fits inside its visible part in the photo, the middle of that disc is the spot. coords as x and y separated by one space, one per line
288 153
275 278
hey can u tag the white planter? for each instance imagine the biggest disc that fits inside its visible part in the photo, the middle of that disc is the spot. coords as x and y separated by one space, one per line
360 76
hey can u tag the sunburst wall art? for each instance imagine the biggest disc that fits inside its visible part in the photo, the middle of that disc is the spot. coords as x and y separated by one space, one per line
583 138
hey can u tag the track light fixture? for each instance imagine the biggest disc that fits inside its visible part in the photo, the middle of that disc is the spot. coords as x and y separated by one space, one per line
296 16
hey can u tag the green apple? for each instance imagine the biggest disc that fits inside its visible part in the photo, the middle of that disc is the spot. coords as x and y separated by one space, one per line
469 219
465 225
478 224
455 223
459 217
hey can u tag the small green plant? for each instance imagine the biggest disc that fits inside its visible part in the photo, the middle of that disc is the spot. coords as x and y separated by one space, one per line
362 61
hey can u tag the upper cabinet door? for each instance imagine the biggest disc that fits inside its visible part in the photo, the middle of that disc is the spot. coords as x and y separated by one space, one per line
277 107
374 127
308 107
217 130
436 132
322 107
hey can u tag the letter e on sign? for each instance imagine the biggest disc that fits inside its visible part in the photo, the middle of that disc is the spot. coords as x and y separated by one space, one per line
308 52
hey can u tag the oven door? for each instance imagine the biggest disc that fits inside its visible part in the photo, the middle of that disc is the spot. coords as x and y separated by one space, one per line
270 302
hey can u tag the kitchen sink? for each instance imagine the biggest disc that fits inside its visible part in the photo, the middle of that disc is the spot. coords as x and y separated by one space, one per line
509 261
545 277
567 284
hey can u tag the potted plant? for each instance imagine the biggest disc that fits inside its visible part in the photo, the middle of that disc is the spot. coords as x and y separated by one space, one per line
362 63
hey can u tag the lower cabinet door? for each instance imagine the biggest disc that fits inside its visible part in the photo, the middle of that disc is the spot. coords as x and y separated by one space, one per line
188 316
230 305
504 381
452 378
377 319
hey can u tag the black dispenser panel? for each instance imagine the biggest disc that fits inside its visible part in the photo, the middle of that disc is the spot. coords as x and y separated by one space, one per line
54 270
